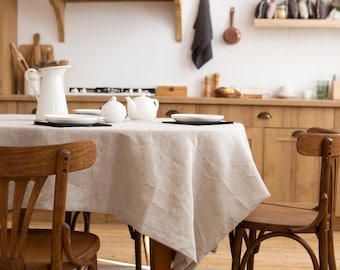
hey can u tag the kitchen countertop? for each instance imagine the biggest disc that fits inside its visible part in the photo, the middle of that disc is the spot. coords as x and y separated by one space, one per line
194 100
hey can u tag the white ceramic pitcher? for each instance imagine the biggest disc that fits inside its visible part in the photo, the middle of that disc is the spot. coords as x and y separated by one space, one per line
51 95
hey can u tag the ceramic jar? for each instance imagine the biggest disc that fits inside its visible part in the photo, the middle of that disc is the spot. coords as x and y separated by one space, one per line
113 111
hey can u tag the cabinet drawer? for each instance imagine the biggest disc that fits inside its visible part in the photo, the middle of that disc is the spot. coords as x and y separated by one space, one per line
270 116
83 105
289 176
165 110
337 119
26 107
8 107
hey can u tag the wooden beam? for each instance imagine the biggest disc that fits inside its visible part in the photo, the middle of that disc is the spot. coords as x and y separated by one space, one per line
59 10
178 8
8 35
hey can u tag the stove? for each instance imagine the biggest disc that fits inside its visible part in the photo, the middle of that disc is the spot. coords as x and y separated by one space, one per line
112 91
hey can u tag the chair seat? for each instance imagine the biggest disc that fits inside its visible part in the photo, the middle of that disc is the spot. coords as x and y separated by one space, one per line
38 256
270 220
278 217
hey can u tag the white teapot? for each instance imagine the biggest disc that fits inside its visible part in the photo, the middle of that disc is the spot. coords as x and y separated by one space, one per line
113 111
142 107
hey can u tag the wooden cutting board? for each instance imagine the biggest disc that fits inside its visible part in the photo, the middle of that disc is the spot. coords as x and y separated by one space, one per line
36 52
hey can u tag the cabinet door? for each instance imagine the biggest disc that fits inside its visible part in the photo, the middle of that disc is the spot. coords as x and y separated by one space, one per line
8 107
165 109
289 176
255 139
27 107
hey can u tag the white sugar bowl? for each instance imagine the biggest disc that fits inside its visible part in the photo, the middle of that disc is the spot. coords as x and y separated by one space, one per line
113 111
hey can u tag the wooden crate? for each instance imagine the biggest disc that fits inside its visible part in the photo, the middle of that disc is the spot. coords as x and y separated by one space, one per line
173 91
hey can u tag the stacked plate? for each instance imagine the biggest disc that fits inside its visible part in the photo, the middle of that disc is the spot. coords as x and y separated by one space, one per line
198 118
73 119
88 111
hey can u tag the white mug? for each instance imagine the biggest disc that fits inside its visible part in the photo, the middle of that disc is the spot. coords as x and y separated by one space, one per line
307 94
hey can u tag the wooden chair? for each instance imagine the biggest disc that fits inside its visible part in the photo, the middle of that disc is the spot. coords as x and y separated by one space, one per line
140 239
23 173
269 220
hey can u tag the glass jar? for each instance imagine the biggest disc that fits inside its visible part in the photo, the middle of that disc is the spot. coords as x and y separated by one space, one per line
281 12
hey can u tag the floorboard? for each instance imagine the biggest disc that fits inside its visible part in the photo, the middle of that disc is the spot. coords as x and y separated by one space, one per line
275 254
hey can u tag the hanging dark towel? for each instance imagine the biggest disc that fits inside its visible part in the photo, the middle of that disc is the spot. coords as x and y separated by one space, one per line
201 46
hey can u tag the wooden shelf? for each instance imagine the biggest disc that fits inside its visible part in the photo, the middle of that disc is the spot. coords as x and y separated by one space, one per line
297 23
59 10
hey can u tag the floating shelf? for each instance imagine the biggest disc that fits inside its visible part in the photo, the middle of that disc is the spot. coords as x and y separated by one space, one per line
59 10
297 23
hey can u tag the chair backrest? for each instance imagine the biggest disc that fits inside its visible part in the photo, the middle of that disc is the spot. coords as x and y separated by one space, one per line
326 146
23 172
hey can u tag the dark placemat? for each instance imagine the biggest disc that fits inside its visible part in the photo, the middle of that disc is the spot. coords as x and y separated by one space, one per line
196 123
44 123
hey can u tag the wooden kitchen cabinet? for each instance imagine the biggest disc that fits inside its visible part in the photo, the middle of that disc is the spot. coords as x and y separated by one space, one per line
27 107
8 107
337 119
166 110
88 105
255 140
271 127
272 132
290 177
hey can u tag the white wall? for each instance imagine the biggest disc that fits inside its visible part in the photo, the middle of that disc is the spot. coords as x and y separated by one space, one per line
133 45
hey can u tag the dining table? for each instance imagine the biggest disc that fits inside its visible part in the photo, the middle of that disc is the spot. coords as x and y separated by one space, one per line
184 185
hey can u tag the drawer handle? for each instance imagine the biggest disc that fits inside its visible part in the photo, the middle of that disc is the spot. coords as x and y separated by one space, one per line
264 115
171 112
297 133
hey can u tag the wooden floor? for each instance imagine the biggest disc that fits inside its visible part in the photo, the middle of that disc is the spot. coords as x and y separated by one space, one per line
277 254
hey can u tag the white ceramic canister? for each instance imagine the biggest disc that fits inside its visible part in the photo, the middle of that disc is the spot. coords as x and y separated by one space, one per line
113 111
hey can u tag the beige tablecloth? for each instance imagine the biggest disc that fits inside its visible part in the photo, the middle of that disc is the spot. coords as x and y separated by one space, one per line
184 186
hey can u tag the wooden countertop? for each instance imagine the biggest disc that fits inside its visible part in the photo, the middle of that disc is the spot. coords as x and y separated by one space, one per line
193 100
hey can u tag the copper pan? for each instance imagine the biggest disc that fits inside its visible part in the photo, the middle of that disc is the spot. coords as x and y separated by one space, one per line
232 35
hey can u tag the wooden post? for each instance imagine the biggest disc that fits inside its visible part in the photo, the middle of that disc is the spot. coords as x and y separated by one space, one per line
8 34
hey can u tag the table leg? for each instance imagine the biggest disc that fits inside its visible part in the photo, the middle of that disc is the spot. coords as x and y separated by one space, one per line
161 256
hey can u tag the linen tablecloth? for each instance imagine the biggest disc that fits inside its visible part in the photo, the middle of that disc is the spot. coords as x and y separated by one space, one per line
184 186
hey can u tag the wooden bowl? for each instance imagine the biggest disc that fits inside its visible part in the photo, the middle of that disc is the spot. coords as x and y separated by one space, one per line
227 92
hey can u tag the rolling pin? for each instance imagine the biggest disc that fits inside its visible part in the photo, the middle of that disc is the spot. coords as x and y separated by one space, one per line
36 50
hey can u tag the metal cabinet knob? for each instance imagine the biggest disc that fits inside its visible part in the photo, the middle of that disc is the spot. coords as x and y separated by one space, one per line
171 112
264 115
297 133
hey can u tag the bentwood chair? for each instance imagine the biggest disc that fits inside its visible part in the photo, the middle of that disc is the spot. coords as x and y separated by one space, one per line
140 239
269 220
23 173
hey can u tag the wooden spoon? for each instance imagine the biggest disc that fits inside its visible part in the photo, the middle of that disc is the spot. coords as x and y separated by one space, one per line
232 35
